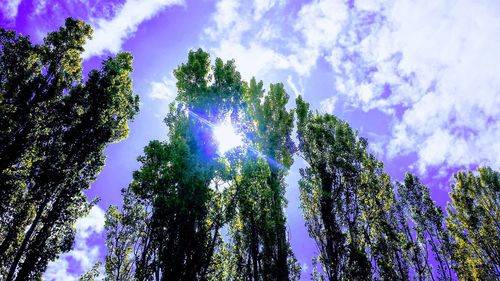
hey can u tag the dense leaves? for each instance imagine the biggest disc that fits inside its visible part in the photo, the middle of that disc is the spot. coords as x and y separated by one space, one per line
366 228
474 221
429 232
259 228
190 192
51 147
329 192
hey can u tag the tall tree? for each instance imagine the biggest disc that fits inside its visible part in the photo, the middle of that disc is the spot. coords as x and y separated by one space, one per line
126 233
474 222
328 187
54 147
193 190
383 232
430 232
349 203
178 182
261 243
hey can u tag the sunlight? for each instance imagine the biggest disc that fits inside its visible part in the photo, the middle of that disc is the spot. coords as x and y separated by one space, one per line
227 137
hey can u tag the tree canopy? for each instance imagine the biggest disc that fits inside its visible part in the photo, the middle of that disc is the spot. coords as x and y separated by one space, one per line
51 147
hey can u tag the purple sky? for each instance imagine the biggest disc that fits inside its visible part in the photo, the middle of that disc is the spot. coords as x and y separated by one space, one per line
419 79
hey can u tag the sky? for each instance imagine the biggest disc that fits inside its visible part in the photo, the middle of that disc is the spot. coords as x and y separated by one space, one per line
418 79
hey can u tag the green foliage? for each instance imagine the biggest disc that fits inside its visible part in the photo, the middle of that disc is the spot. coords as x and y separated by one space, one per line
51 148
329 191
192 193
350 206
430 233
258 229
210 90
474 222
178 185
383 232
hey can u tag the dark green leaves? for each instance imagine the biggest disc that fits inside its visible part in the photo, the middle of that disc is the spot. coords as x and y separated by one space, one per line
52 147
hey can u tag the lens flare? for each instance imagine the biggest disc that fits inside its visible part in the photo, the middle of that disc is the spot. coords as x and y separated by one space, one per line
226 136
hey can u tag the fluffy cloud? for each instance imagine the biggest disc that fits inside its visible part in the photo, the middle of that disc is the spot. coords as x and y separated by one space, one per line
109 34
164 90
437 65
294 87
258 38
328 105
9 8
432 67
83 254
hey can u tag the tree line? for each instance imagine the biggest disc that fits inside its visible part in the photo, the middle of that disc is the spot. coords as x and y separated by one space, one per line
193 214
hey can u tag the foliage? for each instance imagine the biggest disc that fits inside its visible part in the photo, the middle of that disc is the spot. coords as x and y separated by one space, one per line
259 226
125 233
383 229
329 188
430 233
360 224
51 147
191 192
474 222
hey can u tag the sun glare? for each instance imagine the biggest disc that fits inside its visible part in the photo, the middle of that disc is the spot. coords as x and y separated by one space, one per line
226 136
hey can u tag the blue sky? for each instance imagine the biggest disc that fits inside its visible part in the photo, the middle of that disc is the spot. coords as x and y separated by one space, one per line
418 79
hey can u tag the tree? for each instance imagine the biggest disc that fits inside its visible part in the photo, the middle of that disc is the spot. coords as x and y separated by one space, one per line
349 204
474 222
191 191
126 233
383 232
328 188
259 227
53 149
177 185
428 220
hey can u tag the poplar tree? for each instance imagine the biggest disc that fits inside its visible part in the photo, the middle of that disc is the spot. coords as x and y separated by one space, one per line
329 184
193 191
52 146
126 236
178 182
259 234
349 204
430 232
383 231
474 222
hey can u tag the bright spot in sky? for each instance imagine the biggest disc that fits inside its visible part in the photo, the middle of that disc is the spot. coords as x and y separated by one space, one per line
226 136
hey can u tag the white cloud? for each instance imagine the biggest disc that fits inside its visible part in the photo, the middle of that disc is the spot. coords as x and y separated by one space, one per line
328 105
58 271
246 58
164 90
9 8
109 35
263 6
226 17
84 255
293 86
440 63
320 22
259 38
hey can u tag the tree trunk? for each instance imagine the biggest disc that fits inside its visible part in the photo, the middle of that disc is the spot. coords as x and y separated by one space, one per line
26 239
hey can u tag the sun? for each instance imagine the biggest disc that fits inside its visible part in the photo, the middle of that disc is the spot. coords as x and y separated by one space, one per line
226 137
